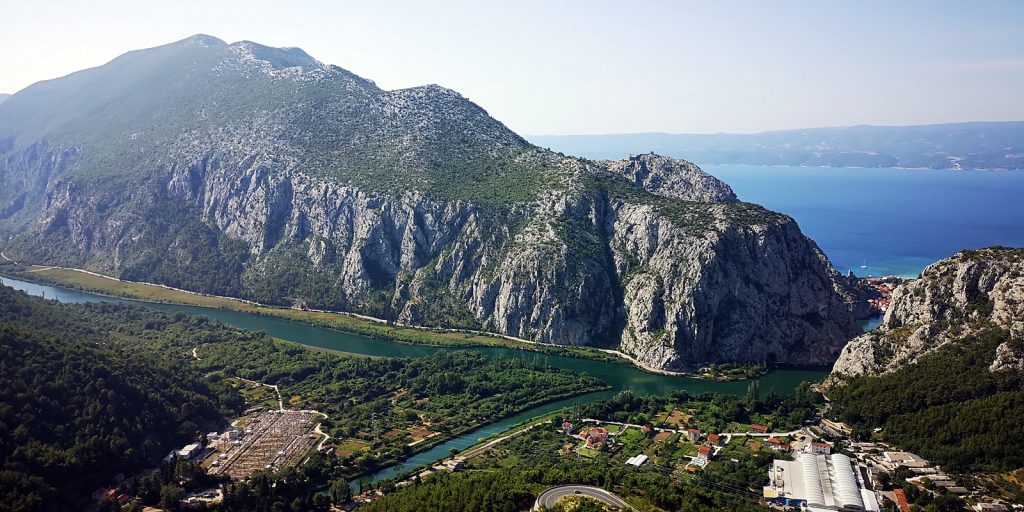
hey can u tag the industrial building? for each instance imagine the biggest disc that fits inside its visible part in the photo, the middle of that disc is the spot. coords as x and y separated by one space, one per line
188 452
819 482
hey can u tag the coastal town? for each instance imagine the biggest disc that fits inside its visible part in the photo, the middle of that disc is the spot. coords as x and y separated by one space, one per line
817 467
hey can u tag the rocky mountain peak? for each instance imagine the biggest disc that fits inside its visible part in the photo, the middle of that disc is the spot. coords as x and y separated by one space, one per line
275 59
672 177
203 40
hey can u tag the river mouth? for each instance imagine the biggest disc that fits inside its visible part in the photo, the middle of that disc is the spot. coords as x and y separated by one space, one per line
620 377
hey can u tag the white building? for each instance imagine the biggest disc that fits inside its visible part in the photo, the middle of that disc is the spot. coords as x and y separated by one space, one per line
819 448
906 459
818 482
186 452
189 450
636 460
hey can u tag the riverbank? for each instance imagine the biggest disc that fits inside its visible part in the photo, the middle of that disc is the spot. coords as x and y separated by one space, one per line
396 465
93 282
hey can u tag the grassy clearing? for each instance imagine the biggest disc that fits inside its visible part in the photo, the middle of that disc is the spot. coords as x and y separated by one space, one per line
351 446
138 291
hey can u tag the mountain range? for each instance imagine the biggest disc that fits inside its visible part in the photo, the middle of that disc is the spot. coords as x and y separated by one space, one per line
262 173
980 145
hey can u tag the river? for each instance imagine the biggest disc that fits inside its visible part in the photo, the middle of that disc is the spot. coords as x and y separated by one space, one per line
620 377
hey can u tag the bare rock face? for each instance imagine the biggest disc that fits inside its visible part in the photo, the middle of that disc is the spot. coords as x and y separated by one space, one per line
583 269
952 298
671 177
275 178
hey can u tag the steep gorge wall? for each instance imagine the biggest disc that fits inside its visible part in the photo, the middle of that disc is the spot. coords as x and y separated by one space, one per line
953 298
575 267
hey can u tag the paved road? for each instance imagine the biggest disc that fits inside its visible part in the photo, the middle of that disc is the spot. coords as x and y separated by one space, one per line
548 498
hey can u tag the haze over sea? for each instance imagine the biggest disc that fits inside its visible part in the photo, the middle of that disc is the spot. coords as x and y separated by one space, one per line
889 221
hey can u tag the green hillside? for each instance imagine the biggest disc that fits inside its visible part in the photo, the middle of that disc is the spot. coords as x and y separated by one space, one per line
80 403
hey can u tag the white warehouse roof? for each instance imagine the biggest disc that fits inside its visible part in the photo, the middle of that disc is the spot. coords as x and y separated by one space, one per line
825 482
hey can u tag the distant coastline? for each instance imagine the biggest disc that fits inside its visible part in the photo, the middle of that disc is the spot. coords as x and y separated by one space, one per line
972 169
982 146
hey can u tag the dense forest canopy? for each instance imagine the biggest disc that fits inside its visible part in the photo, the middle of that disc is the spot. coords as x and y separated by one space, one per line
79 403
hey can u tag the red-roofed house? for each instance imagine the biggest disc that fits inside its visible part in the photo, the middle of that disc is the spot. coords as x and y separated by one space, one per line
692 435
596 437
567 426
715 439
901 500
704 453
777 444
760 429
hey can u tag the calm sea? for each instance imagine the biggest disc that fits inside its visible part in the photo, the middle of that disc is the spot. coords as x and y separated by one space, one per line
889 221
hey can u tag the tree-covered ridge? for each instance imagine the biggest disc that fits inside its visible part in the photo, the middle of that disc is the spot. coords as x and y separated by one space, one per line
96 389
942 375
948 406
150 110
203 103
79 403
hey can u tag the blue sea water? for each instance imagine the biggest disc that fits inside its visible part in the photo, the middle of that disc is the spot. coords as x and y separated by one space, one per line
889 221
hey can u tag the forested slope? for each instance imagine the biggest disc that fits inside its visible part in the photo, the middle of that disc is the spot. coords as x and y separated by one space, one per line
79 403
944 373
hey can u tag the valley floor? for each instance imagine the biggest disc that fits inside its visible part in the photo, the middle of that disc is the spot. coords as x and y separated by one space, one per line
343 321
347 322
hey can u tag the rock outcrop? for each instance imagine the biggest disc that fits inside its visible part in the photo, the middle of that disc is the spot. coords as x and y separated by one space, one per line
283 180
671 177
951 299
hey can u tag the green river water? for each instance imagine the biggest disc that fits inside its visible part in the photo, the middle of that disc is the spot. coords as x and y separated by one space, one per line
620 377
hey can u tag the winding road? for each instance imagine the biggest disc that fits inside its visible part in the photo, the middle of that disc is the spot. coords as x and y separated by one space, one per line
550 497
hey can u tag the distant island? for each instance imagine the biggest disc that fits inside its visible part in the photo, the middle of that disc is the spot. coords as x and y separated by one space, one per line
978 145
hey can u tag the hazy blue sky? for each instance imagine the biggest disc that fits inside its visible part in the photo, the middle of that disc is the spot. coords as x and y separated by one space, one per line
595 67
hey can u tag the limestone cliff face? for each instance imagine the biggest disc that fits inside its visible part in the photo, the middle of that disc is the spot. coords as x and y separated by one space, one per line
952 298
583 268
279 179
